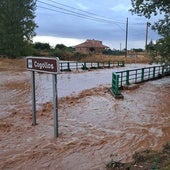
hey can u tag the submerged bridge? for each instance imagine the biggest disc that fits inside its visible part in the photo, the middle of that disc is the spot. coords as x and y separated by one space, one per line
72 65
128 77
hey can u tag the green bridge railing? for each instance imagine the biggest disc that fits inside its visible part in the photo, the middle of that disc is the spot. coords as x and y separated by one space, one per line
68 66
122 78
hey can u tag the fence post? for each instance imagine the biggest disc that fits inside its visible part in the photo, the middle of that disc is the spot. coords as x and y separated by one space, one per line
163 67
123 63
68 67
153 72
142 75
149 73
84 66
115 83
127 77
76 65
136 75
108 63
97 64
61 66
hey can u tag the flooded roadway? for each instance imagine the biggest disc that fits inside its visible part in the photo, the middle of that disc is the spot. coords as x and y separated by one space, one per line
92 124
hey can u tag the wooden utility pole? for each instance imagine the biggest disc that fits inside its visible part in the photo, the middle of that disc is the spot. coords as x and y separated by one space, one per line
126 38
146 40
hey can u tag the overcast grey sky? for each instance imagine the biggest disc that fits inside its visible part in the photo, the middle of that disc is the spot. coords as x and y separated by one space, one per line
73 21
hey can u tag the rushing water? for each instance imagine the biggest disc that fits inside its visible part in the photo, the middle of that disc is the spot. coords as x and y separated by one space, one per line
74 83
92 125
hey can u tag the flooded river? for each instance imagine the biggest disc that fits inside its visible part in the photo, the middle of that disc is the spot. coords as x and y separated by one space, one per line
93 126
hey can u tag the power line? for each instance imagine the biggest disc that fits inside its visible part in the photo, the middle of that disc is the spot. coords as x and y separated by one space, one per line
78 14
82 13
58 11
91 13
86 17
72 7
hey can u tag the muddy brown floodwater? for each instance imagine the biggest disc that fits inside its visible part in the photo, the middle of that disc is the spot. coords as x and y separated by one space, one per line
92 125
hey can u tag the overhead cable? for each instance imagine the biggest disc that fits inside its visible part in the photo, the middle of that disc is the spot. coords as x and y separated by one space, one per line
83 15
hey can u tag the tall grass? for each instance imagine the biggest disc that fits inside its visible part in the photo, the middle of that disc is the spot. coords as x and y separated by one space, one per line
102 58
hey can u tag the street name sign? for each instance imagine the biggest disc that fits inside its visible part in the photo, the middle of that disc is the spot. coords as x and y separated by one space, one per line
43 64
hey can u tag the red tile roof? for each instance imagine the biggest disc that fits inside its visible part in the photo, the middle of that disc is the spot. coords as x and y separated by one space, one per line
91 43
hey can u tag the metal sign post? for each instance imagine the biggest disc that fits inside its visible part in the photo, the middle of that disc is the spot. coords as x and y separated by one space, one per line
33 98
55 105
46 65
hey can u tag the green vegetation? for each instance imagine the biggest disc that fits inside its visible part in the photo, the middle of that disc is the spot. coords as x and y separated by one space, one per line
61 51
113 52
146 159
120 53
16 27
41 46
113 163
162 26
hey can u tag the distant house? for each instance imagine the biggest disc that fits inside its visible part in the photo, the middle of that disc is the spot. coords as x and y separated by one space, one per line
90 46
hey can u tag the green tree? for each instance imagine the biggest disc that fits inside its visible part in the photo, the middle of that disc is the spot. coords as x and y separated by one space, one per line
151 8
152 51
16 26
42 46
60 46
